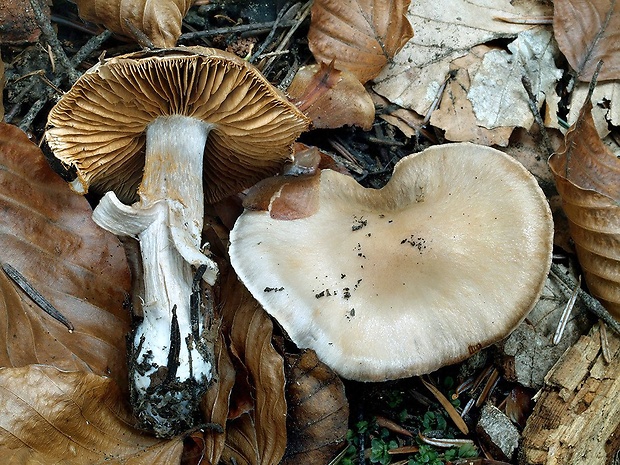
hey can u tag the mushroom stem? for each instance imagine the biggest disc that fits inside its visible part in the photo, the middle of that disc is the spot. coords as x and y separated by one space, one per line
172 362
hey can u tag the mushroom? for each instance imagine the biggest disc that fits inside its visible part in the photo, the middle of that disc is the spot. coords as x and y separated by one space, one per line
138 128
444 260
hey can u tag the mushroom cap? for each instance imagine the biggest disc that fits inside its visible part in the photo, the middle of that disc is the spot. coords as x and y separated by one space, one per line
99 125
444 260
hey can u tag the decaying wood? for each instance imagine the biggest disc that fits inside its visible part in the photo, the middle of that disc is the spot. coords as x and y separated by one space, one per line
577 413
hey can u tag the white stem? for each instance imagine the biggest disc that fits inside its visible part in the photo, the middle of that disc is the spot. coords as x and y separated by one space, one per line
167 221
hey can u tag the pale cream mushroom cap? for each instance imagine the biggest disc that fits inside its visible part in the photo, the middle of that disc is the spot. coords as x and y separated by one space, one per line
444 260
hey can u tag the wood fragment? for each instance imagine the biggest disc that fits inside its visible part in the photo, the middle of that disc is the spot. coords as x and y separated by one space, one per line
578 410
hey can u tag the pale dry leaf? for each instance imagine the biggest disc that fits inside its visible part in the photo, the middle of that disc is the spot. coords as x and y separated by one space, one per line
72 418
588 31
159 20
587 176
360 36
606 105
318 411
455 114
497 93
443 34
47 235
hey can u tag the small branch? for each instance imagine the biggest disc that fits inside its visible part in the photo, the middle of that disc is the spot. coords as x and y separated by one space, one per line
36 296
590 302
271 34
255 27
533 103
52 39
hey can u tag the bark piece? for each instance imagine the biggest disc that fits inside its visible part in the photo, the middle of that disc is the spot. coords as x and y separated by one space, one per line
497 431
529 353
578 410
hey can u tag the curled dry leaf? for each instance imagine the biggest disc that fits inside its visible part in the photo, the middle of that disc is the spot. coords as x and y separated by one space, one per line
2 82
48 236
160 20
258 436
361 36
295 193
318 410
332 98
588 31
72 418
587 176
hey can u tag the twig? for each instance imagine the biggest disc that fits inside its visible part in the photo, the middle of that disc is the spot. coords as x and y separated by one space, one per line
304 12
36 296
93 44
142 39
537 20
255 27
533 104
52 39
590 302
271 34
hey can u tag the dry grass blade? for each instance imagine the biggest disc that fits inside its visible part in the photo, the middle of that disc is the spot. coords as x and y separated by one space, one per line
587 176
445 403
360 35
588 31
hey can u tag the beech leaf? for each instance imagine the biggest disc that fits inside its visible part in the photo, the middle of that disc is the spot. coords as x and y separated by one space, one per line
360 36
456 114
48 236
318 411
159 20
72 418
442 34
331 98
497 93
259 435
588 31
587 176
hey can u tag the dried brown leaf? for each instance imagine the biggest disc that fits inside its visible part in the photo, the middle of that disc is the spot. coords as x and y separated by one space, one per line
587 176
258 436
47 235
160 20
318 410
456 113
72 418
2 82
361 36
332 98
588 31
17 22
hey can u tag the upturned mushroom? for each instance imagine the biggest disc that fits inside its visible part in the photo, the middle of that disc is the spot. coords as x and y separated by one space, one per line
444 260
148 128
